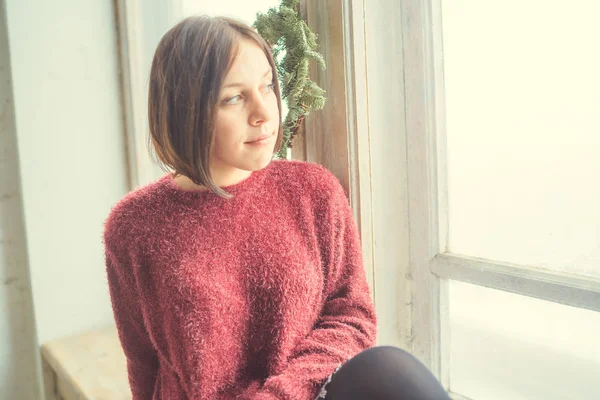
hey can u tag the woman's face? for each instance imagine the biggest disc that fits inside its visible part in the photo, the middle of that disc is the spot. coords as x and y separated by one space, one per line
247 117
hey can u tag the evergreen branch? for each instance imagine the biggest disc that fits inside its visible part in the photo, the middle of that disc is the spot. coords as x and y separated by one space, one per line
289 35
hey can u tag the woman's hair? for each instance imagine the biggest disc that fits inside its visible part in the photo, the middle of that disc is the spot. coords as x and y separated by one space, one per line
188 69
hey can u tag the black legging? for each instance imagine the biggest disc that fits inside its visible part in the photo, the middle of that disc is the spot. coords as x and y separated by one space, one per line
384 373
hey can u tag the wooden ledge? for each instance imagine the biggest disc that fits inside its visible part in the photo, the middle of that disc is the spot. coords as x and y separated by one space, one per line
85 367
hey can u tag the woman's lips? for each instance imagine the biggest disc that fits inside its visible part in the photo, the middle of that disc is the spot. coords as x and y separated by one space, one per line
260 139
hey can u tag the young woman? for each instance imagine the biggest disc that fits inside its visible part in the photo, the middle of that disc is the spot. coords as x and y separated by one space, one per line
239 277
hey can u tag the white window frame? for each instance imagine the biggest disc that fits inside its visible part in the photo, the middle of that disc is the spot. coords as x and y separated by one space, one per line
432 264
139 28
338 136
351 137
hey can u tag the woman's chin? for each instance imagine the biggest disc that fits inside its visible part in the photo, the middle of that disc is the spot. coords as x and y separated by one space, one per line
263 163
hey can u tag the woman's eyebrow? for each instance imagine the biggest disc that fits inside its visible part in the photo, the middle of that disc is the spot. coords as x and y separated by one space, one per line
239 84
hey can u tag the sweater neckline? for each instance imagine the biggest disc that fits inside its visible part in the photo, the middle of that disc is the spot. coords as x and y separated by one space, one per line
235 189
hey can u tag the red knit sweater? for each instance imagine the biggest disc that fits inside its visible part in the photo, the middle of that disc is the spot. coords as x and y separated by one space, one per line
257 297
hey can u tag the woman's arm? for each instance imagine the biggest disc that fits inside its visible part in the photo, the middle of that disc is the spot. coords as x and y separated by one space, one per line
347 324
142 360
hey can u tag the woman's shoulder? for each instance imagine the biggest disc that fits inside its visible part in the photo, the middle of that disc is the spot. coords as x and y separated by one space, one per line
305 174
128 217
304 179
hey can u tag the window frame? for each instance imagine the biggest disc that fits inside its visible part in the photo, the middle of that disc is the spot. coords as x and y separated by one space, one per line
139 27
358 119
338 136
434 266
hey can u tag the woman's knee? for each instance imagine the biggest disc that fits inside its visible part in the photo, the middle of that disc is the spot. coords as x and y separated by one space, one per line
386 354
382 359
385 372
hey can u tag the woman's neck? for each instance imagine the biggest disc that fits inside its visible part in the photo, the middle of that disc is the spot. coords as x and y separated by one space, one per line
221 180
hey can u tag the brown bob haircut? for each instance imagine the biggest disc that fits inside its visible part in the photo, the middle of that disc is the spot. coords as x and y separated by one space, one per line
188 69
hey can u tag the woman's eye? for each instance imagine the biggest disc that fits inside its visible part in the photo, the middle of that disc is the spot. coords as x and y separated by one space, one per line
233 100
238 98
270 87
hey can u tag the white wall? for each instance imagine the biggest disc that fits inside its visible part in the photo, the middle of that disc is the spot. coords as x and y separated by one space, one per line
240 9
64 60
17 331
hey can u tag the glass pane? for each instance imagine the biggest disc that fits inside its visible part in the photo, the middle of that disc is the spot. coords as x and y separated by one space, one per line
506 346
523 99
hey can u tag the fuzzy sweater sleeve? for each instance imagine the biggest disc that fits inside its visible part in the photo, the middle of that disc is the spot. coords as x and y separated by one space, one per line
142 360
347 324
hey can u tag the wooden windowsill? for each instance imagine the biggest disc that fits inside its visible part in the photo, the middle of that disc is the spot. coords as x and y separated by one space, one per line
87 366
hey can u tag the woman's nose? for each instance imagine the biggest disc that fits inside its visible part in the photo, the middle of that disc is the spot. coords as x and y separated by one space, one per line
260 112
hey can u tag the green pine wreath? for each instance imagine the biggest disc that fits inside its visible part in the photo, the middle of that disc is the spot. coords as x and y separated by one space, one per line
288 34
